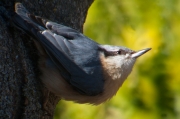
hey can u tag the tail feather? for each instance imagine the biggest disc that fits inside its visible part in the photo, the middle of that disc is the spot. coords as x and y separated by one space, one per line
21 10
27 22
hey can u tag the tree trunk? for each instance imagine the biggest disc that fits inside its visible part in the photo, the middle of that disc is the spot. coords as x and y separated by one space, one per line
22 94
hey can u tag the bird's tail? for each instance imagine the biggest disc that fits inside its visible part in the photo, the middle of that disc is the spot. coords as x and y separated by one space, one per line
22 19
27 22
21 10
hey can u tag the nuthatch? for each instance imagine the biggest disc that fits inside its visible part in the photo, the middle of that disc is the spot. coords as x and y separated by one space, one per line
73 66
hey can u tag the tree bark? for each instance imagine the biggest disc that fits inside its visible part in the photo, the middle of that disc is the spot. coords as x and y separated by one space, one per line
22 94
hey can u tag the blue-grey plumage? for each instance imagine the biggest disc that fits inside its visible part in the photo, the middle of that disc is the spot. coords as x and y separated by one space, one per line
74 66
65 45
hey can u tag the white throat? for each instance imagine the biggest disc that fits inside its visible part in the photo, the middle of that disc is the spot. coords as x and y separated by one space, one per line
118 67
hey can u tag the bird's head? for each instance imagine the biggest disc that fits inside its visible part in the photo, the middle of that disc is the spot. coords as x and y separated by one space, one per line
118 61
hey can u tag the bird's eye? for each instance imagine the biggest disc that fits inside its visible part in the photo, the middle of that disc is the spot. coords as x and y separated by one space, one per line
119 52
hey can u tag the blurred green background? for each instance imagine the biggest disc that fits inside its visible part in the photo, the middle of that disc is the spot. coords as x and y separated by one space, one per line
152 91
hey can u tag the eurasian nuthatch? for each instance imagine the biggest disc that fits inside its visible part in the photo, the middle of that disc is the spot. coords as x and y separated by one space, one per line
73 66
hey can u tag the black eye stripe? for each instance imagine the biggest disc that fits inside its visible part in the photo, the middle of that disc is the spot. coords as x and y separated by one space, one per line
112 53
119 52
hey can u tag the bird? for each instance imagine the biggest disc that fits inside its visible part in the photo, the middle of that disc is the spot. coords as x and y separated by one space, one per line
73 66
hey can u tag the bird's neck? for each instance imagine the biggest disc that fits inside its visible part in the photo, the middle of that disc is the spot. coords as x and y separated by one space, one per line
114 77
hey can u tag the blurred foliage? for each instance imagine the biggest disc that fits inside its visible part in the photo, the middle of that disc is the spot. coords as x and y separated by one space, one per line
152 91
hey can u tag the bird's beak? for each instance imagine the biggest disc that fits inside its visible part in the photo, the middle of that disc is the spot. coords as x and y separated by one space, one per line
140 52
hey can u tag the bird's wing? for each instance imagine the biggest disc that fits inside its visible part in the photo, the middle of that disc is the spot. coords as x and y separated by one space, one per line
70 51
